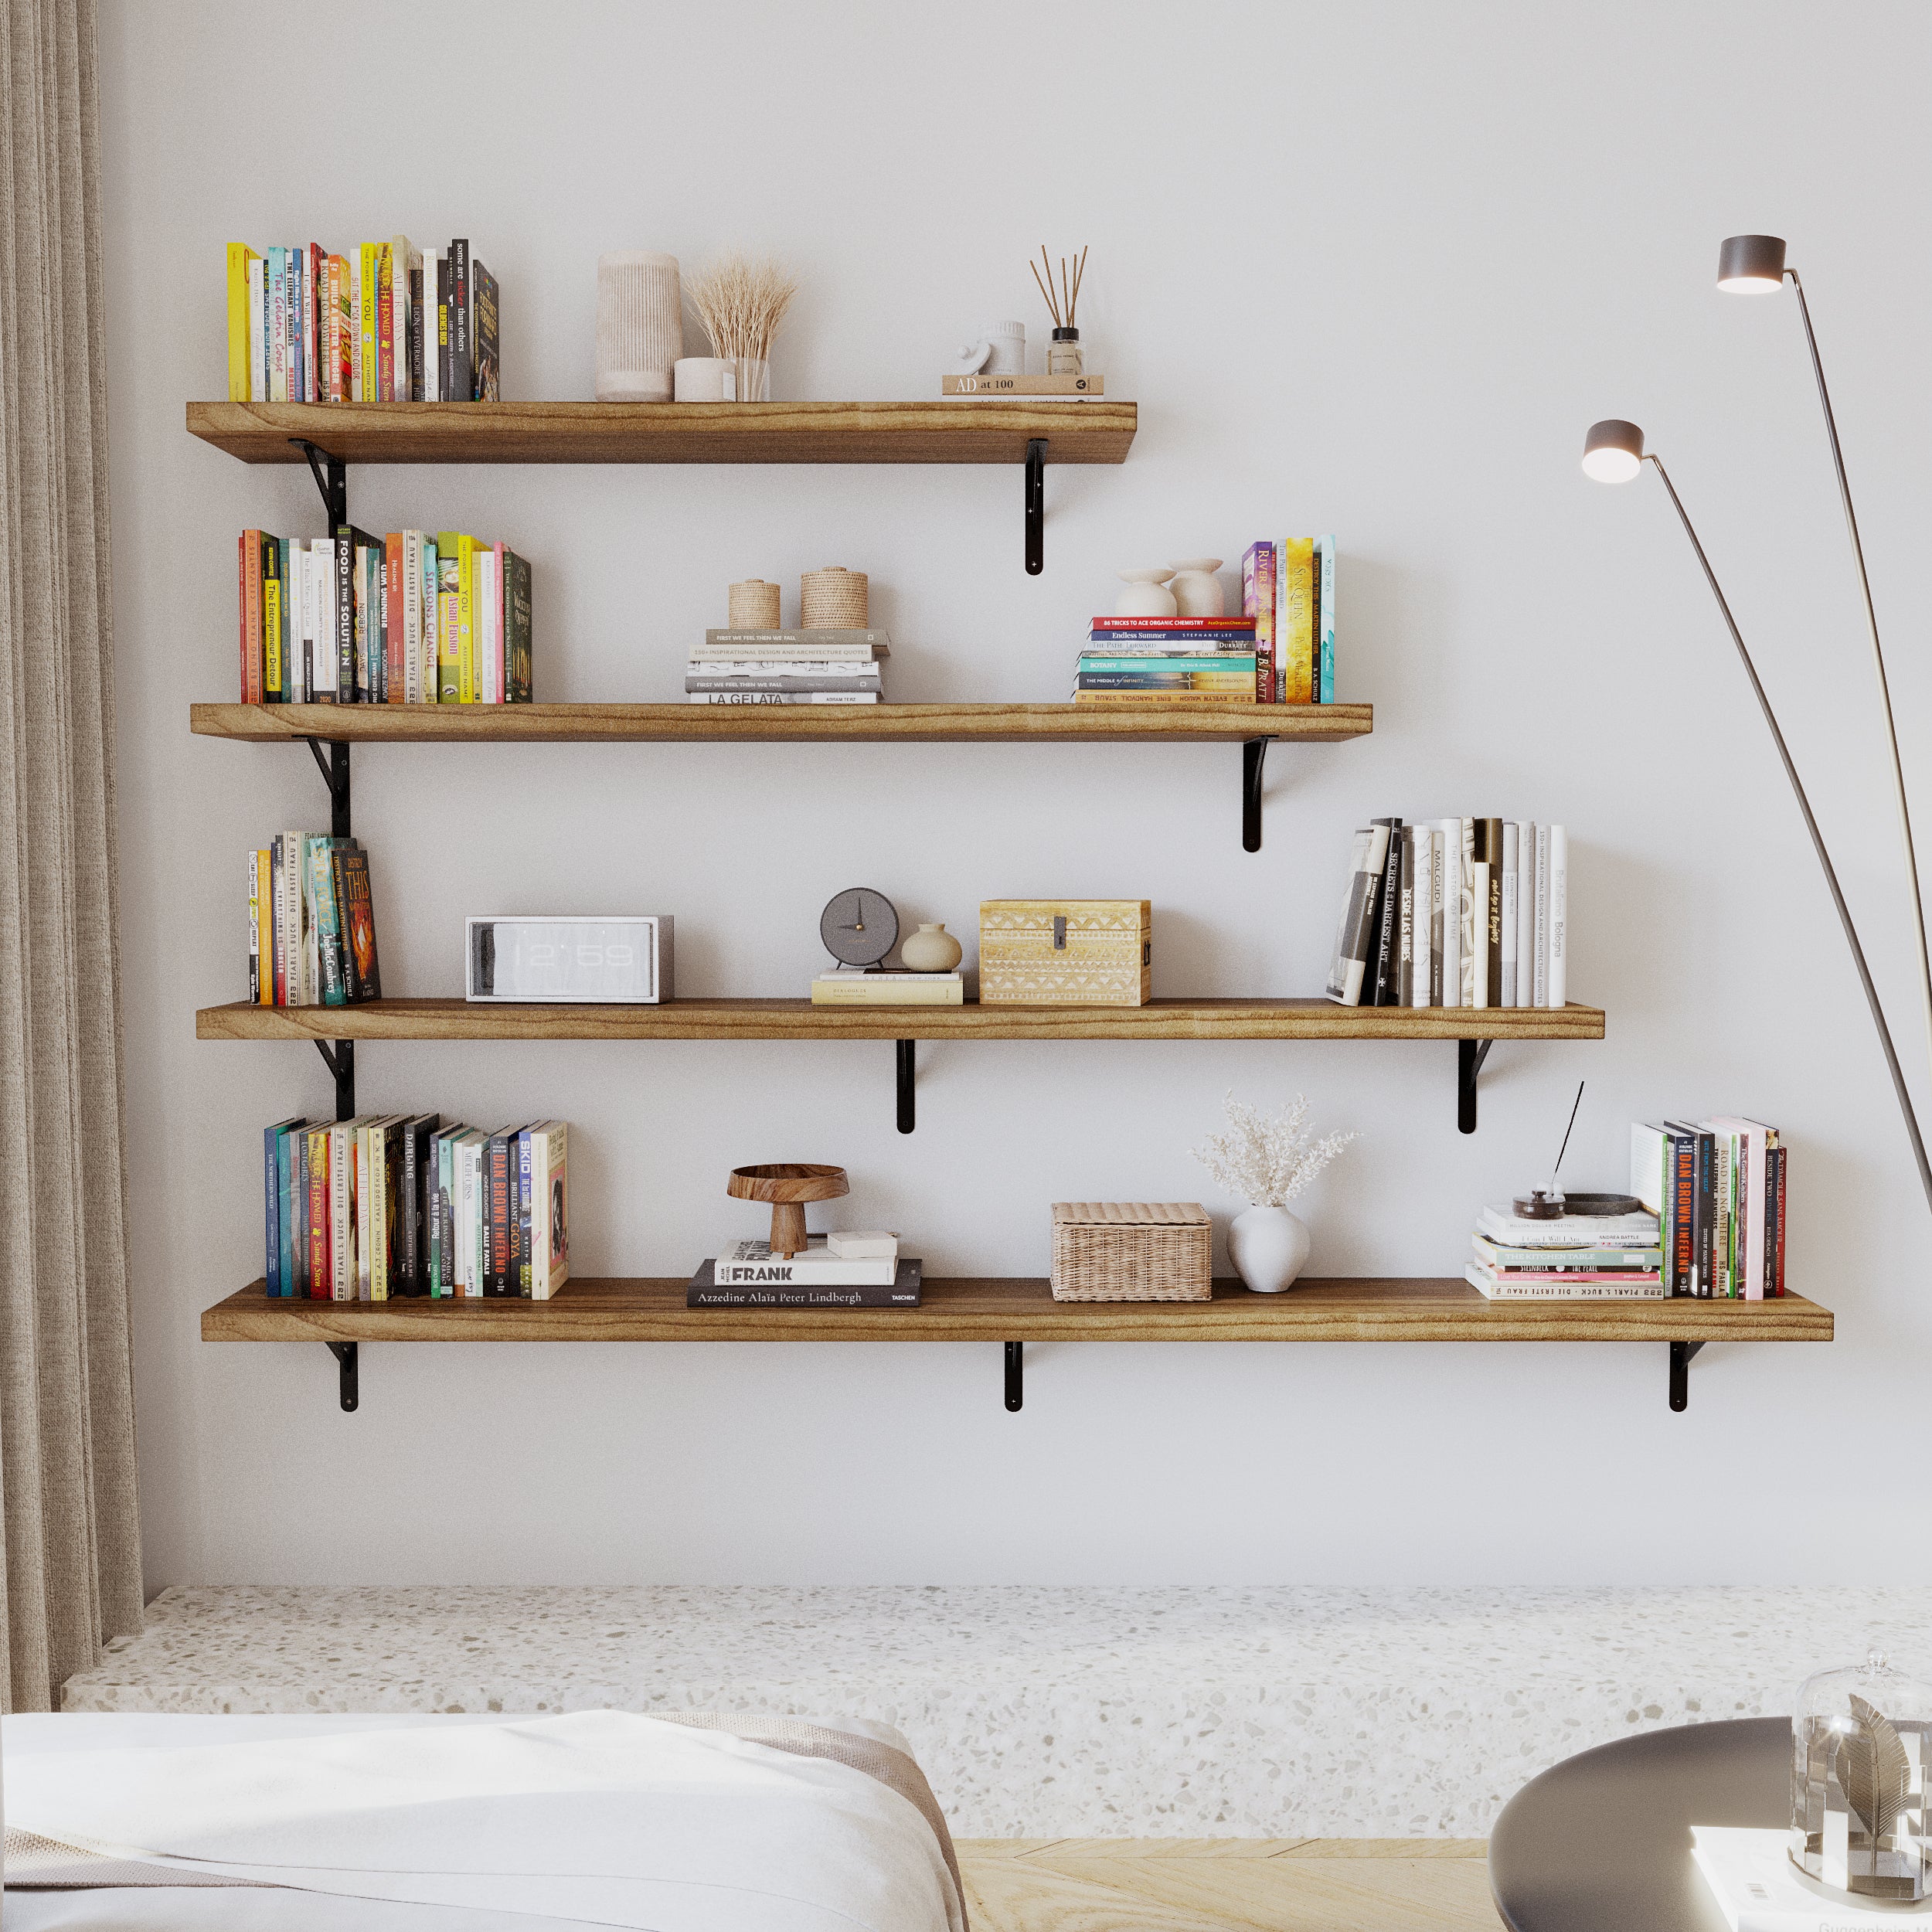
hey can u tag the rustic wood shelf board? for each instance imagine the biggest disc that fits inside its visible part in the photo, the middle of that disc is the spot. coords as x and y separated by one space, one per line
1250 1019
969 430
1023 1310
1139 723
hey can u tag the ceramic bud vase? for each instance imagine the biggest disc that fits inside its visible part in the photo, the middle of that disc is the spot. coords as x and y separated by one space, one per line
931 949
1196 590
1146 595
1269 1247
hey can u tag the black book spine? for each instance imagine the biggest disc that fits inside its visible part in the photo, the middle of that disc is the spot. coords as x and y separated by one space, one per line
1489 916
409 1263
462 375
1706 1214
1683 1221
344 613
903 1292
1388 916
496 1278
441 320
416 335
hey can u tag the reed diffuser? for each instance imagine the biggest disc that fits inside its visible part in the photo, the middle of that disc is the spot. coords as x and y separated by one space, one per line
739 304
1064 352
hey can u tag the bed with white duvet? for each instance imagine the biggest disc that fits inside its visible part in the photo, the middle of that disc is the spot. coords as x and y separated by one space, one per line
691 1822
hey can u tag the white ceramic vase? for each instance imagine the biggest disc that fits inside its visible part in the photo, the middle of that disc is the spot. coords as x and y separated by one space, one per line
1196 590
1269 1247
1146 595
931 949
640 325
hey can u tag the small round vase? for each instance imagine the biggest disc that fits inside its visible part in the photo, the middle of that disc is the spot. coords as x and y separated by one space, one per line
931 949
1268 1247
1146 595
1195 589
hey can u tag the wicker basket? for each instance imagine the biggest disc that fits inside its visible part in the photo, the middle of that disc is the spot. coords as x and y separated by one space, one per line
1131 1251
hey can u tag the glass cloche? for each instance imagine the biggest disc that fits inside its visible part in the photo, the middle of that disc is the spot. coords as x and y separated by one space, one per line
1861 1752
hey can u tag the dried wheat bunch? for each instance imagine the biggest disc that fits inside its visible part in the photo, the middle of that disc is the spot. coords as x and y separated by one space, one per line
1268 1160
739 304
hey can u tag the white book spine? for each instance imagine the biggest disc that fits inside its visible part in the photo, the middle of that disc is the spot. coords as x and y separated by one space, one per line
1511 835
291 912
341 1211
412 617
305 279
1558 915
1466 910
1448 860
1526 914
257 332
1479 959
1426 927
311 929
432 348
782 697
1541 914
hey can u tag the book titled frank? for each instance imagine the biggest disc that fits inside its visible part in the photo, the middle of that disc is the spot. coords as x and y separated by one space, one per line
901 1292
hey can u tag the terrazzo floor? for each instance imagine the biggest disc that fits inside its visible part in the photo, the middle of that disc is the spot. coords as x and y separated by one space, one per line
1044 1712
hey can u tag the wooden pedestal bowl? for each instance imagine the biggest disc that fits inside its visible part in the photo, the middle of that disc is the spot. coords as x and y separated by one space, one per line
788 1185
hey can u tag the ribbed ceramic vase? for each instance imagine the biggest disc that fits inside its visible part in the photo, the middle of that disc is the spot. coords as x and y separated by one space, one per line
640 326
1269 1247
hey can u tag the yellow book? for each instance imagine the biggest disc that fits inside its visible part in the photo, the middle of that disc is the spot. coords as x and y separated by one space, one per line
1294 620
271 634
448 678
369 256
265 906
239 255
466 548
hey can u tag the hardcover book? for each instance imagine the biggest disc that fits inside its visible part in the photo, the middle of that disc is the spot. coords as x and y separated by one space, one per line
1355 937
704 1292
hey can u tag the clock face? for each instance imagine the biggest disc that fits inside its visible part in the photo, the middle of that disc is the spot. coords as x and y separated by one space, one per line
858 926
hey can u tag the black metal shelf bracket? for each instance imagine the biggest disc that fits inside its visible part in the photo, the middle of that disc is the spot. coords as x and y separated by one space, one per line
335 771
331 478
1470 1056
340 1059
345 1354
1036 505
903 1055
1680 1360
1016 1376
1253 754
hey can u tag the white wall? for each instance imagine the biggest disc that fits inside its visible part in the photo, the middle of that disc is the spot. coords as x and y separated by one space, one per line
1371 269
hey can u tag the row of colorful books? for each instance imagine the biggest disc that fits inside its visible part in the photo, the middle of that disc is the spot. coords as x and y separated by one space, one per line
1170 660
385 1207
1287 587
412 617
856 1270
1459 912
380 324
312 922
1574 1257
1717 1188
788 667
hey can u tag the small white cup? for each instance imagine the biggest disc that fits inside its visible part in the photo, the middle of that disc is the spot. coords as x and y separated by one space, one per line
704 378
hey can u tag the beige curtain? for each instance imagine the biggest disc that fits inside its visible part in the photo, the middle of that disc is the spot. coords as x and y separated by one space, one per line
71 1556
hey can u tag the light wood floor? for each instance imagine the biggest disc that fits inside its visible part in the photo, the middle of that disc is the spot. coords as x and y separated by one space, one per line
1227 1885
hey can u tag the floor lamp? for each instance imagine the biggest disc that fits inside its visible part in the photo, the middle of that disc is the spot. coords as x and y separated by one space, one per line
1613 452
1755 265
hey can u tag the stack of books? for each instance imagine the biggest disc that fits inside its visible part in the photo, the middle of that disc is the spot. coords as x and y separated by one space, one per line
1604 1257
386 1206
868 986
788 667
831 1271
380 324
311 923
1460 911
1717 1187
413 617
1175 660
1287 587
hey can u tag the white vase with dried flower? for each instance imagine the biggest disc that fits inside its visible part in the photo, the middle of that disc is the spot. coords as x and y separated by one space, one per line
1268 1160
740 304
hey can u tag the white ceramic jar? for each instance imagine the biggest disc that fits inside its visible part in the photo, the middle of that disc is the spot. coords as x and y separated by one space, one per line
1196 590
1146 595
1269 1247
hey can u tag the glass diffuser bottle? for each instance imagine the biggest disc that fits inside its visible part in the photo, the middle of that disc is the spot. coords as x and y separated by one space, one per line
1862 1747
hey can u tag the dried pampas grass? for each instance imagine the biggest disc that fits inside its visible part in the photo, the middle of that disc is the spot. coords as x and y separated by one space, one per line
740 304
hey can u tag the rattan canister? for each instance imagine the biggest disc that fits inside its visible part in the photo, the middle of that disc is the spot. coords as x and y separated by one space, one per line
834 600
753 605
1132 1251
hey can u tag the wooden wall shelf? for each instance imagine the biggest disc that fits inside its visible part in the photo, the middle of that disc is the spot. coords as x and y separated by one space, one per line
1136 723
798 1019
1015 1310
970 430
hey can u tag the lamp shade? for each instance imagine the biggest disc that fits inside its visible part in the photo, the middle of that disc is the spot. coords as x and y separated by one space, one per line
1613 451
1751 264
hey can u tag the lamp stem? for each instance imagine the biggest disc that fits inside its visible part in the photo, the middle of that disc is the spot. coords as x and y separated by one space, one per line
1878 661
1818 841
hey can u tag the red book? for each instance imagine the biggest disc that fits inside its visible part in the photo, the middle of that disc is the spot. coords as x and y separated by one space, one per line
395 663
312 322
385 324
251 617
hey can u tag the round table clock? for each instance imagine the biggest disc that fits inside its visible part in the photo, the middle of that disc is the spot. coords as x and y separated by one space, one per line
859 927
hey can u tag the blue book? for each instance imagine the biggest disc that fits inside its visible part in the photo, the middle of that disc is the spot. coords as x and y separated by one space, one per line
1229 638
292 1164
299 317
275 1271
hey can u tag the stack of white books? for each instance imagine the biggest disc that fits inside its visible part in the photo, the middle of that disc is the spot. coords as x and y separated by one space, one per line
788 667
1596 1257
850 1270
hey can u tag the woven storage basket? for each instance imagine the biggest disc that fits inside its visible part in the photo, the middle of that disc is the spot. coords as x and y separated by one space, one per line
834 600
1131 1251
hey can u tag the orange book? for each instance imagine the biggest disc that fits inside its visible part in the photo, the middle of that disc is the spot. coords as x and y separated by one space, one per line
251 617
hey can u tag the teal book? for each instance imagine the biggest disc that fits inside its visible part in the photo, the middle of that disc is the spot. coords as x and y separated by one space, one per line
1324 580
328 919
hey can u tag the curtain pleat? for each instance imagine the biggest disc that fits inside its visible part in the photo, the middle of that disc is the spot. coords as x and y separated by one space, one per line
70 1553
